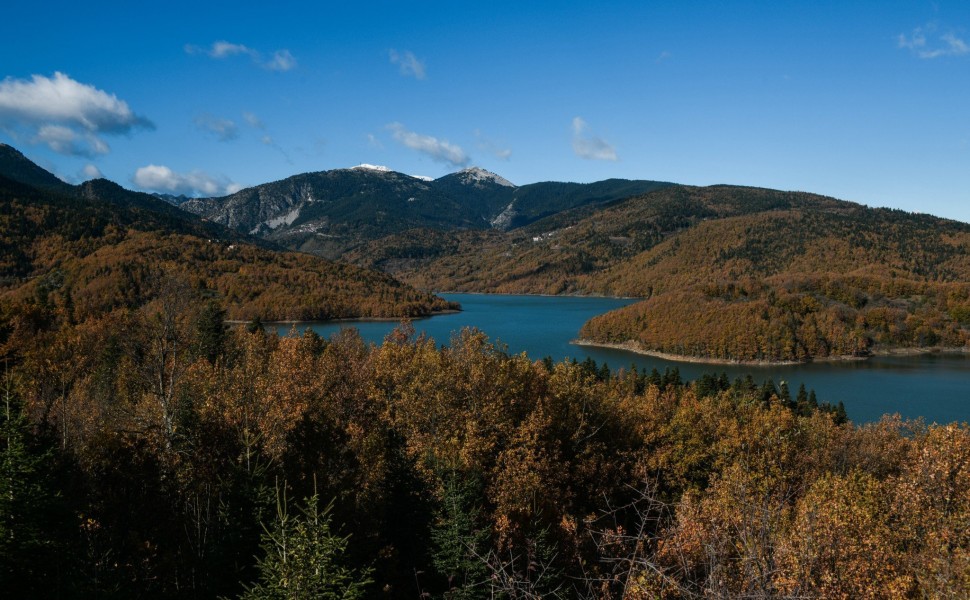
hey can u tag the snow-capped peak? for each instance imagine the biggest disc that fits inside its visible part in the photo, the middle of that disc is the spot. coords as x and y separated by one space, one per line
475 174
423 177
367 167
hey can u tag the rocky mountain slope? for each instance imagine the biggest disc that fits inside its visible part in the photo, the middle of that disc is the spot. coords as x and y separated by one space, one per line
332 212
89 249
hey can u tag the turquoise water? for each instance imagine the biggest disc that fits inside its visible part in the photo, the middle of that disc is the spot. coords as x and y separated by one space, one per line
935 387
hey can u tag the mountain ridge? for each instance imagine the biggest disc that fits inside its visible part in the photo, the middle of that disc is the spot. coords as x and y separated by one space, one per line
90 249
331 212
725 272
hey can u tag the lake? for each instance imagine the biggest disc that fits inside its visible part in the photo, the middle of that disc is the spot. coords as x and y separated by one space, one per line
935 387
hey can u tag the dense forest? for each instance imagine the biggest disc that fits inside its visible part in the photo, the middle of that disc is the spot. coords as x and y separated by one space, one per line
156 453
93 255
725 272
148 449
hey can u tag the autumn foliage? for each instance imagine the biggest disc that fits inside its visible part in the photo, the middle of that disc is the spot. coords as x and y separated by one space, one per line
462 471
724 272
89 257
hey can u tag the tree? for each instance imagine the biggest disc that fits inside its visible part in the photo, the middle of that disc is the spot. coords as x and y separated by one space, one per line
31 554
211 331
784 393
459 541
304 558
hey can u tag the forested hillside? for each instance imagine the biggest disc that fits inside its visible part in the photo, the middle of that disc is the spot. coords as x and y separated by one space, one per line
797 286
104 248
144 456
150 450
331 213
726 272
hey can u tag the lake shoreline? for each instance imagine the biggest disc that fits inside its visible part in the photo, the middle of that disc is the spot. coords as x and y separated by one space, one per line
595 296
932 386
632 347
348 319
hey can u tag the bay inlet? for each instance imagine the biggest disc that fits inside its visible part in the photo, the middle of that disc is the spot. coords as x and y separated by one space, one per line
935 387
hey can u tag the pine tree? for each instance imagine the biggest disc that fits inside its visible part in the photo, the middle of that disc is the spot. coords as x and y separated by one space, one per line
304 558
459 541
671 377
31 552
211 331
255 325
802 407
841 416
784 393
768 390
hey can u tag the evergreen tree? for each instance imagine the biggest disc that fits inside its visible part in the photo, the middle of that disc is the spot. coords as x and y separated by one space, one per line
801 405
768 390
255 326
459 541
211 331
671 378
840 415
32 552
784 393
548 363
304 558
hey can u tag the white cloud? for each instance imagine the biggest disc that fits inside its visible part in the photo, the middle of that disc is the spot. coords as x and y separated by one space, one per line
663 56
589 146
159 178
408 64
373 142
954 45
65 140
281 60
63 100
223 49
491 147
66 115
224 129
947 44
91 171
265 139
253 120
440 150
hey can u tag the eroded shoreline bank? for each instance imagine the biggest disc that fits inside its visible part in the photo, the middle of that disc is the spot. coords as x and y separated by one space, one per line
632 347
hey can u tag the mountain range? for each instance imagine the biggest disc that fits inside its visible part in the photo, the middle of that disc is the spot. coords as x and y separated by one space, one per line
724 272
96 247
332 212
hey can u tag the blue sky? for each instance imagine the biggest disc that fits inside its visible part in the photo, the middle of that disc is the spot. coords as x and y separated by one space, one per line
865 101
